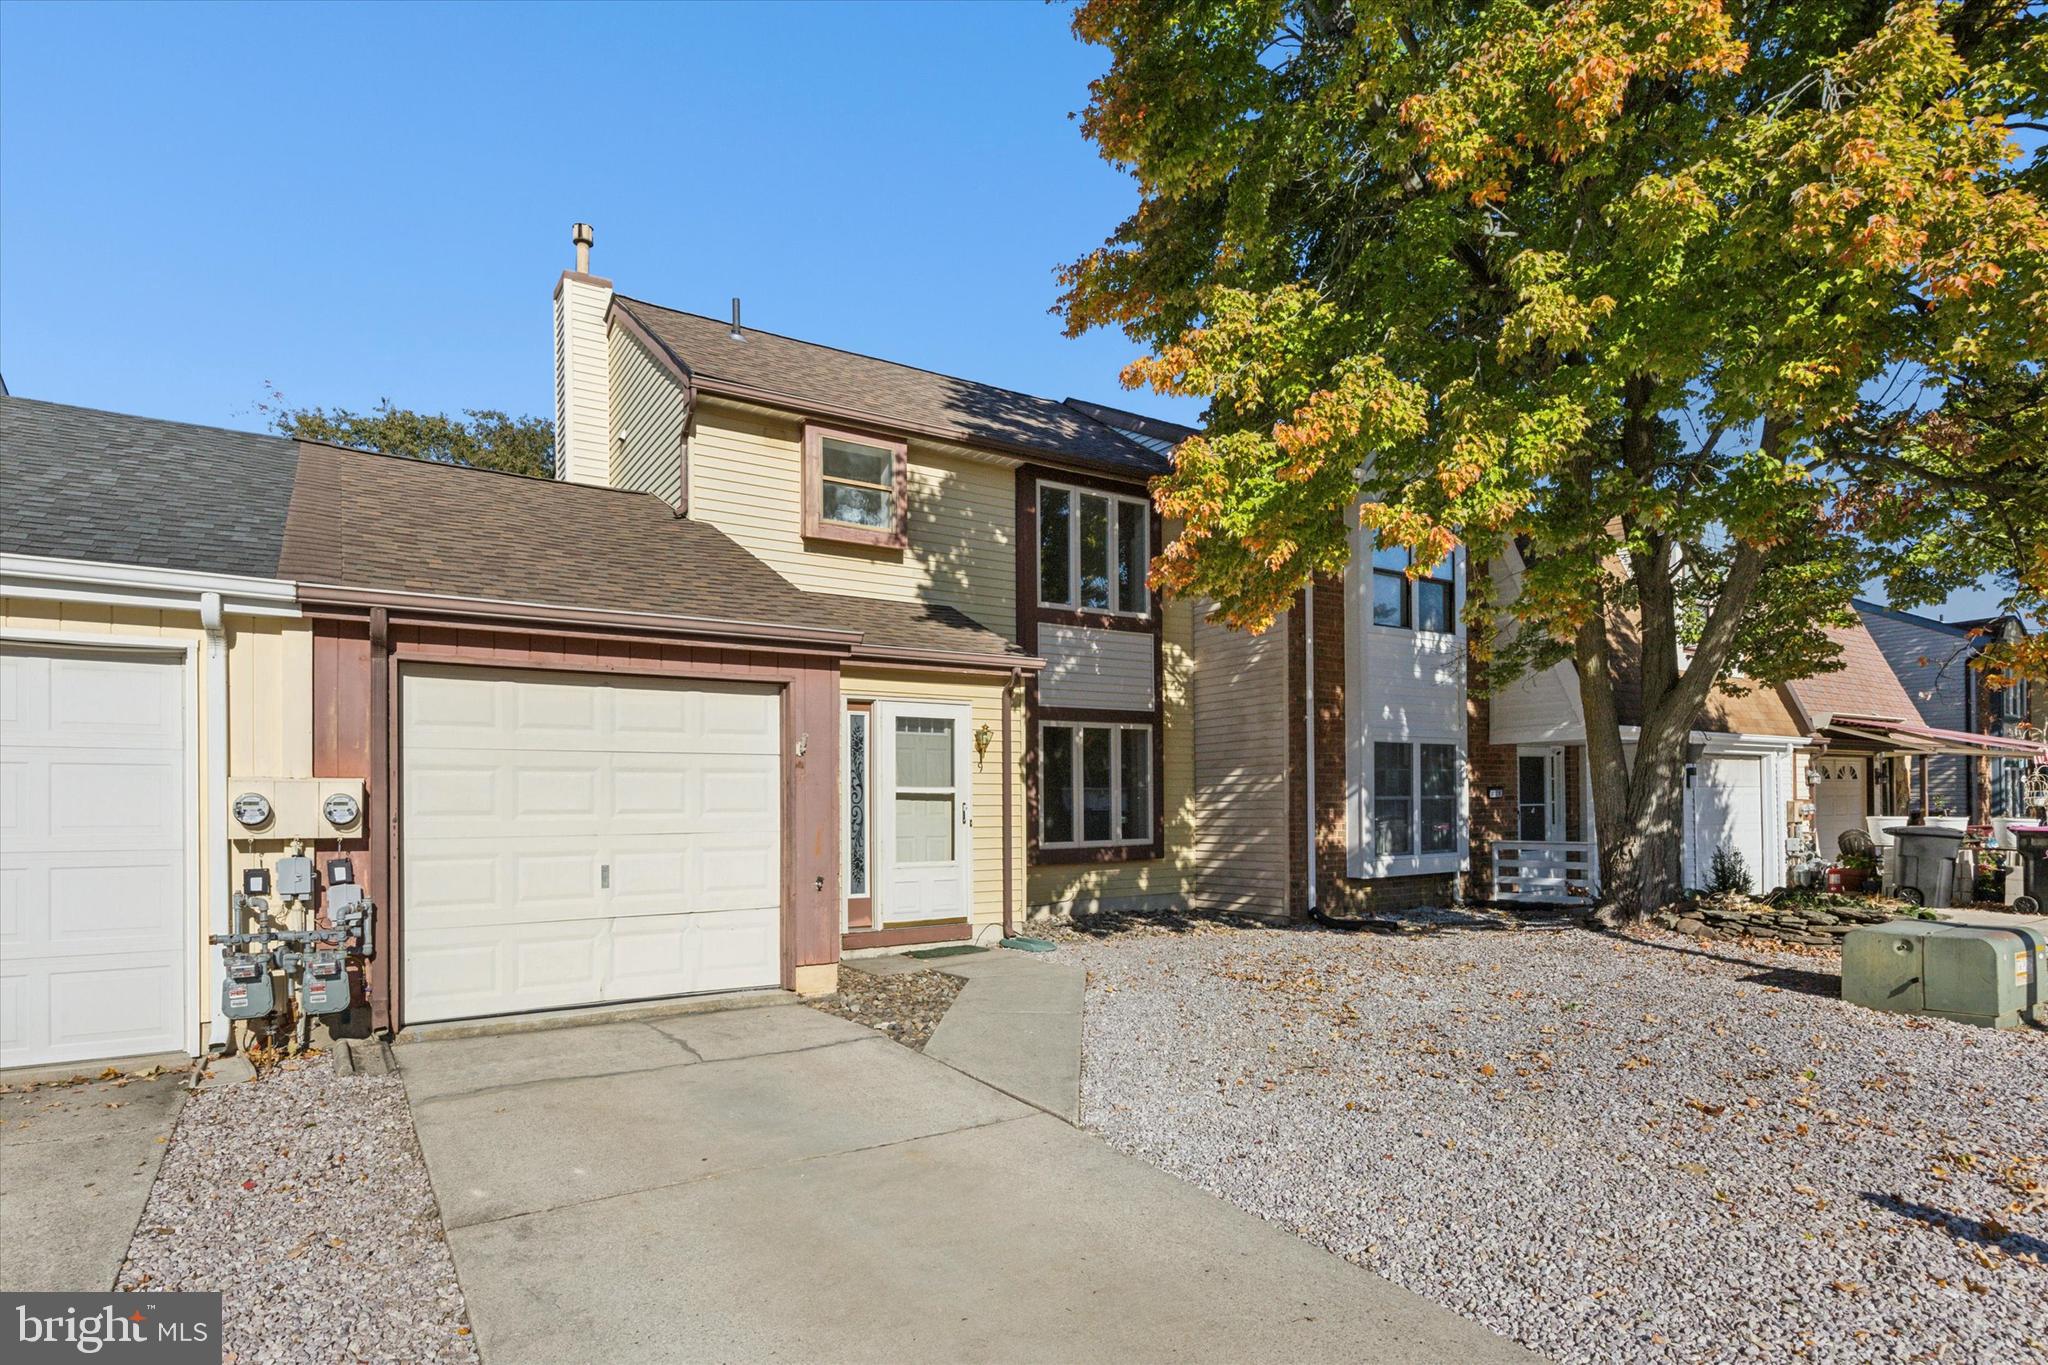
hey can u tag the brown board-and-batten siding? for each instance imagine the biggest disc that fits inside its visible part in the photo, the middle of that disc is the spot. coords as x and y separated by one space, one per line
353 691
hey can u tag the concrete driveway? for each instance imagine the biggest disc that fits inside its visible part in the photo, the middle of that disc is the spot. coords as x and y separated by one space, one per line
76 1164
775 1183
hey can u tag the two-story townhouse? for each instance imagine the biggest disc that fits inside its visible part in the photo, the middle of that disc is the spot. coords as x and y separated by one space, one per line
854 476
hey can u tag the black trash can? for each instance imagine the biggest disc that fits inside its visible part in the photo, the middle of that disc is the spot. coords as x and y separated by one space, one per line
1924 862
2032 841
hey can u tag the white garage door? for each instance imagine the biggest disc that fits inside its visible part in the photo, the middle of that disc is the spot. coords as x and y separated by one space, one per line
94 913
567 839
1727 806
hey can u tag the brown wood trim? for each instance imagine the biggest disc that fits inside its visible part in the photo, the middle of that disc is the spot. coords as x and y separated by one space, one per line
908 934
581 278
1100 853
815 527
1095 715
528 616
383 823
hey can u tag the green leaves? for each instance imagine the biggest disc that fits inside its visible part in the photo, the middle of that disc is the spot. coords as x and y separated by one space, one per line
488 439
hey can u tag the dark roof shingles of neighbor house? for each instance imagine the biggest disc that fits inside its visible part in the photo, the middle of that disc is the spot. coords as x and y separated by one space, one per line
1756 711
369 521
890 394
78 483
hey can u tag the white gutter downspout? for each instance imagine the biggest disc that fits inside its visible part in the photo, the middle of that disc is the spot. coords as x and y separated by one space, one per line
216 798
1308 726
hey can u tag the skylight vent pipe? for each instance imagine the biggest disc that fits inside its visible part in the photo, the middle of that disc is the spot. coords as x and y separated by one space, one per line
737 334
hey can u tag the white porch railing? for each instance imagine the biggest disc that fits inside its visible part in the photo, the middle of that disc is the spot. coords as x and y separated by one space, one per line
1553 872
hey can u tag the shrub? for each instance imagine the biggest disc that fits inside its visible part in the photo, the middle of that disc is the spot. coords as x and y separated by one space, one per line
1729 875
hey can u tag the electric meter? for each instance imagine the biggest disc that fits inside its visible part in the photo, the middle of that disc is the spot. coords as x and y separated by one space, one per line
252 809
341 809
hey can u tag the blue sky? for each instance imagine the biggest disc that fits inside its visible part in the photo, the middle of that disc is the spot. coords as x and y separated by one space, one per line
358 202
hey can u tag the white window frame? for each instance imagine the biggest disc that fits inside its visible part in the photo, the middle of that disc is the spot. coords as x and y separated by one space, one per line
1416 862
1119 505
1116 782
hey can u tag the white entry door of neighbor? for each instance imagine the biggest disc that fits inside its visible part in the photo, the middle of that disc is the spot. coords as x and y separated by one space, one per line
96 918
570 838
925 848
1727 806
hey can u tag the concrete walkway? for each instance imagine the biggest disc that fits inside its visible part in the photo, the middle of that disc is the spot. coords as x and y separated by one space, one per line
1016 1025
76 1164
776 1183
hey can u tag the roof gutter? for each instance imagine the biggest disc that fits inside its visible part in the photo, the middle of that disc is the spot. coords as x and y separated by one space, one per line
501 610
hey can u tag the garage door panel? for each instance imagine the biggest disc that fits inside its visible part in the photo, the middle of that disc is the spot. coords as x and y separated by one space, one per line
586 844
95 922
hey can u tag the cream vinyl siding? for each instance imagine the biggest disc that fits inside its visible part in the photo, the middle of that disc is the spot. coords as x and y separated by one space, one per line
648 413
270 711
583 397
746 478
1241 723
1167 881
1095 669
985 775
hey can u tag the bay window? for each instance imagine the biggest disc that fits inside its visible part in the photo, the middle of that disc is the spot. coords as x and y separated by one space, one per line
1094 550
1095 784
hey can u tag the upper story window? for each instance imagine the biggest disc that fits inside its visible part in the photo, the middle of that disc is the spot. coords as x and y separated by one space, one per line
1093 550
1429 602
2012 698
854 488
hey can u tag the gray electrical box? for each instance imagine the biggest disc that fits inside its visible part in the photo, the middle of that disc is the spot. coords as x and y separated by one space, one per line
294 876
245 992
1974 975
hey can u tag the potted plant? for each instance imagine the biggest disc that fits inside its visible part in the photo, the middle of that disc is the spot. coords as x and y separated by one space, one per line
1850 872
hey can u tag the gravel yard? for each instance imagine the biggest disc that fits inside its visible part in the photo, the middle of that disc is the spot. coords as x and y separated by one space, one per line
302 1196
906 1007
1609 1149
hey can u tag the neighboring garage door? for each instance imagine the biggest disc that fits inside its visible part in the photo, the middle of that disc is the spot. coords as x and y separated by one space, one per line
1727 806
94 871
571 838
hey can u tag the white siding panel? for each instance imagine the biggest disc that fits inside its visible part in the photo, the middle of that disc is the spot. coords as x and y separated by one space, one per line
1108 670
648 413
1241 717
583 391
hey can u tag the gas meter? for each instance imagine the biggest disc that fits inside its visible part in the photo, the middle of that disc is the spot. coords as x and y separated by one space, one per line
245 990
323 981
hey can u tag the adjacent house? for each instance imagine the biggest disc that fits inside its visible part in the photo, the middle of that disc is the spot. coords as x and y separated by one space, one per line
1939 665
151 663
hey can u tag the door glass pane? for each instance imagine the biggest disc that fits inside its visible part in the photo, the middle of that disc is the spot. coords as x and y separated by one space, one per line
1133 532
857 803
1094 551
856 506
1056 795
924 752
1135 768
924 828
1439 798
858 463
1097 822
1393 787
1533 801
1389 599
1055 531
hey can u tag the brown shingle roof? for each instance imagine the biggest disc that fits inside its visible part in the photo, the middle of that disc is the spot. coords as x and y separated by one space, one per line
1864 686
813 377
368 521
1759 711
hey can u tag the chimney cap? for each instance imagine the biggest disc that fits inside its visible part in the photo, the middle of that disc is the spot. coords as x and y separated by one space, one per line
582 235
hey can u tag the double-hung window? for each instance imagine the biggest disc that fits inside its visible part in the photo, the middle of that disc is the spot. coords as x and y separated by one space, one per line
854 488
1426 602
1095 784
1093 550
1415 798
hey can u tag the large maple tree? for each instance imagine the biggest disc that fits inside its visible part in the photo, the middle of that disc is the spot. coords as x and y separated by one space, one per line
1716 310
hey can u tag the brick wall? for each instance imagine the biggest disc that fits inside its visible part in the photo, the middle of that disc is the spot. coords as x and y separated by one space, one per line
1492 766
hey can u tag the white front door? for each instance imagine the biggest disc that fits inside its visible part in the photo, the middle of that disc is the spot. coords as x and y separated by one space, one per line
924 819
571 838
95 920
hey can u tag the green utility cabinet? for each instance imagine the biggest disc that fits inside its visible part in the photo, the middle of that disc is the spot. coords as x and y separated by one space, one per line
1985 976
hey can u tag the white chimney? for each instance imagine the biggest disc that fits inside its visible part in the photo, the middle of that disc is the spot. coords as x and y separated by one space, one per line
583 385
